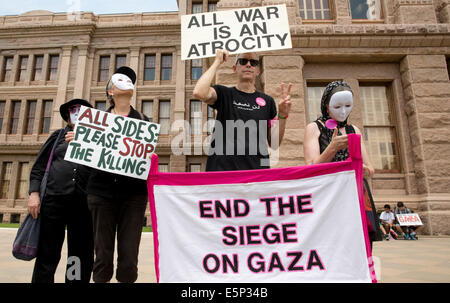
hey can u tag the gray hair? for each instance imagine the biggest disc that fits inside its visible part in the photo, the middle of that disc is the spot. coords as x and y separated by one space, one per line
109 87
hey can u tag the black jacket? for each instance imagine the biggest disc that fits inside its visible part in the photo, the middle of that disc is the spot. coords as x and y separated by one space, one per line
114 186
65 178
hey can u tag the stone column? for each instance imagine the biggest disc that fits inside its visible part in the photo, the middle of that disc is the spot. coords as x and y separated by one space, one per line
81 72
287 69
414 12
134 64
425 82
342 10
57 121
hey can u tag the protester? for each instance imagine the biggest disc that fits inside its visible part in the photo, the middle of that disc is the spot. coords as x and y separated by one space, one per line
117 202
242 110
322 145
408 232
64 205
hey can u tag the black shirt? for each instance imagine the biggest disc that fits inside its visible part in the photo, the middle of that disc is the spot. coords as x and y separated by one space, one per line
239 140
114 186
65 178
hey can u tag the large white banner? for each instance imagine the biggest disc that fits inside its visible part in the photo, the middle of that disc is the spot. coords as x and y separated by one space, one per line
238 31
113 143
299 224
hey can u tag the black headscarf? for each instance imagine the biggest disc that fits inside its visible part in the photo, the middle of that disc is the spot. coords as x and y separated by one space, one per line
328 133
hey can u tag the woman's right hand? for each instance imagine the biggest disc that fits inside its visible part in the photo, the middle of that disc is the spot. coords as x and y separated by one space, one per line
69 136
338 142
34 203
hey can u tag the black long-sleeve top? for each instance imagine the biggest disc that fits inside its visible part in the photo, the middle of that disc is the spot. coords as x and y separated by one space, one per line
115 186
65 177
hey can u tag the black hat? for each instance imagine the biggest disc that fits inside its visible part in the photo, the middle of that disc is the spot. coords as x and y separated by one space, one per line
64 108
127 71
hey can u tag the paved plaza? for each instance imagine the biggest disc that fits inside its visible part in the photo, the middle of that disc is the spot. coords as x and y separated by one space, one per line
424 261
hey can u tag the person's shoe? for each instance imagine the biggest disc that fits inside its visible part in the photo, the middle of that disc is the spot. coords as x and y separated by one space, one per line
387 237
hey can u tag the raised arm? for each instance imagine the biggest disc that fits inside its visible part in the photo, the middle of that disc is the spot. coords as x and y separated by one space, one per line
203 90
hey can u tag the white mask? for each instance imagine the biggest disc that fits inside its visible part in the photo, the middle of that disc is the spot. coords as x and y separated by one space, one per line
341 105
73 113
122 82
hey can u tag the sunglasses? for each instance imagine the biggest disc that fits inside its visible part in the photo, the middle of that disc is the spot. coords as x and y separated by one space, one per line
74 109
244 61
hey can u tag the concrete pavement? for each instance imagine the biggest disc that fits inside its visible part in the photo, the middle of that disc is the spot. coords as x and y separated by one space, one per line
426 260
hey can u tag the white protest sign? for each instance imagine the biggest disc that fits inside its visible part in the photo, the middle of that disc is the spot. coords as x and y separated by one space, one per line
113 143
237 31
409 219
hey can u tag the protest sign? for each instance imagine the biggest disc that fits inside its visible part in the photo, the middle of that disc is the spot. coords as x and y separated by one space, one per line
409 219
295 224
113 143
237 31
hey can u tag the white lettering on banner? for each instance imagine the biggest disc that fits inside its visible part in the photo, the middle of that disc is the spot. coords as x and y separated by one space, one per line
409 219
237 31
113 143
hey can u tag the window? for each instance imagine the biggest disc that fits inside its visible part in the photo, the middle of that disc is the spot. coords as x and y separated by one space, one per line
6 179
197 8
149 67
379 131
24 174
196 117
121 60
46 116
147 109
314 91
37 68
210 120
212 6
2 114
103 71
15 113
315 9
365 9
15 218
163 168
31 114
195 168
100 105
53 67
196 69
22 72
166 67
164 117
7 68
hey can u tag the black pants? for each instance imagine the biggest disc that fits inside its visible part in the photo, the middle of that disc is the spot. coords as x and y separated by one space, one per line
126 218
57 213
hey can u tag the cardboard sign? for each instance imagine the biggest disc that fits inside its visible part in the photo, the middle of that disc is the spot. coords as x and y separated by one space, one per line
238 31
409 219
293 224
113 143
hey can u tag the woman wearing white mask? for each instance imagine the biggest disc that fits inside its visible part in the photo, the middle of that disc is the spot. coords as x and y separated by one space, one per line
117 203
64 205
322 144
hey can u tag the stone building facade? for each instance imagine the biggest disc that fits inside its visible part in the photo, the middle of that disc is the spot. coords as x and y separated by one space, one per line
393 53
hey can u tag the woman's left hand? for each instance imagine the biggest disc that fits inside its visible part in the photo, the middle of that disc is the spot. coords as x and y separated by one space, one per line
69 136
368 171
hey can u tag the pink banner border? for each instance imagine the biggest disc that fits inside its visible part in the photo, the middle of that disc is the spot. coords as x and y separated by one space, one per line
354 162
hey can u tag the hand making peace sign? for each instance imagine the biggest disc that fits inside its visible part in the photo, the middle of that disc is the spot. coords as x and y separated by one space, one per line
284 107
